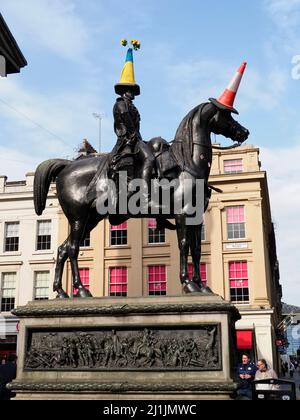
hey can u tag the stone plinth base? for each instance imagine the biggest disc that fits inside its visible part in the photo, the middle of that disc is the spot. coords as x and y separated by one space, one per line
131 348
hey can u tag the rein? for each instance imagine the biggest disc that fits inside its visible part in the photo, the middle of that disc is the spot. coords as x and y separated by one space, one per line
234 146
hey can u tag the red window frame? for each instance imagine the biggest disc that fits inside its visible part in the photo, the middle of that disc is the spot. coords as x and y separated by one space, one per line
239 282
157 280
118 235
118 281
155 236
85 279
233 166
235 214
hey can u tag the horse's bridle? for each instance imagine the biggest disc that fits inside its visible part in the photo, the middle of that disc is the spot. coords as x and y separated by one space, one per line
234 146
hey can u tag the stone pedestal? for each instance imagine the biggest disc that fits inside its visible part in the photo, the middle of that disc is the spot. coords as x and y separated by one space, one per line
166 348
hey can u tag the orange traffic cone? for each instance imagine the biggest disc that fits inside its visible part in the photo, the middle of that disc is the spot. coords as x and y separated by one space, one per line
226 100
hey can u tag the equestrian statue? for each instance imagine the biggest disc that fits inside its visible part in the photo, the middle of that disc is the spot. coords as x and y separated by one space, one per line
83 183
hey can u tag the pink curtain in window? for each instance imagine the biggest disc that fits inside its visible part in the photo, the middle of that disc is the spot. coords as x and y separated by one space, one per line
239 284
157 278
203 272
233 166
118 280
152 224
236 214
238 274
84 277
123 226
238 270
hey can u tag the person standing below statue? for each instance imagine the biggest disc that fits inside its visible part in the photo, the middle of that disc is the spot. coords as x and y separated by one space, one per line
127 121
246 373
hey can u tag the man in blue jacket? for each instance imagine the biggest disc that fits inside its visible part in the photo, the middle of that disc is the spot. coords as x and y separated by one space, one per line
246 374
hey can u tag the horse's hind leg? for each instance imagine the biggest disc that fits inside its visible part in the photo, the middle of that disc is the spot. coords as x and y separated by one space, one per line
62 256
77 233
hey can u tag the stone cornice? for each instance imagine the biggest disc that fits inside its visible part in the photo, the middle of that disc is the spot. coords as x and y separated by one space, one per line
119 388
39 311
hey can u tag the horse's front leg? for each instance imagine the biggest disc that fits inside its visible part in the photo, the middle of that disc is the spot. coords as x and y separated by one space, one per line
184 243
196 244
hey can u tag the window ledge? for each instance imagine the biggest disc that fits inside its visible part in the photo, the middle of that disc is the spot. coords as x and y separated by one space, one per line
230 241
107 248
43 253
158 245
11 254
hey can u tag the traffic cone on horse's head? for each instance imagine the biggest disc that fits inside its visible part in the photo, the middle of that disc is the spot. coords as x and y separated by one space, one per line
127 80
226 100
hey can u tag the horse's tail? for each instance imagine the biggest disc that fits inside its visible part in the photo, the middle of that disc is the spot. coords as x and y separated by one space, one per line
44 175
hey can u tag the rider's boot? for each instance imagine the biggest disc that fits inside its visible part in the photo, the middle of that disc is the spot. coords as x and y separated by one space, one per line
147 177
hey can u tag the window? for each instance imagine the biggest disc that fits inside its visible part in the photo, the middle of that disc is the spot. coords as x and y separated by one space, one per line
157 280
86 242
118 235
11 237
233 166
41 286
85 279
118 283
239 282
236 222
203 272
44 235
8 291
155 236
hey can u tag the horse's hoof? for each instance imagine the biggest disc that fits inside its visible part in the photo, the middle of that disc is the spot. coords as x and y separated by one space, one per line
205 290
191 287
61 294
83 293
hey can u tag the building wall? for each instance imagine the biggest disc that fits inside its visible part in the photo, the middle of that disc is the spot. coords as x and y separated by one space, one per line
16 205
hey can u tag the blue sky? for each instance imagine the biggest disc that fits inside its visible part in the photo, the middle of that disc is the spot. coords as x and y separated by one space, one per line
190 50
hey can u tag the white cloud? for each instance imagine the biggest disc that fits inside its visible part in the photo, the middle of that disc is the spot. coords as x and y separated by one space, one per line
286 16
286 13
67 115
283 175
15 164
51 24
202 79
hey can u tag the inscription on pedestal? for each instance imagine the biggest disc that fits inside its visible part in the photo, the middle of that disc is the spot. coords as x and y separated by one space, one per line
195 348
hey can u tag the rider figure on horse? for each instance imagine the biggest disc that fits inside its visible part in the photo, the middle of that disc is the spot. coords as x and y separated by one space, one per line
127 124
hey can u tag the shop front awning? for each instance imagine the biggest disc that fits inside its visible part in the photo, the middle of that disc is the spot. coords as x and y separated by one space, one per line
244 340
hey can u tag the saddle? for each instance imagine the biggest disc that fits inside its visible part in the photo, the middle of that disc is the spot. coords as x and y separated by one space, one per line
166 165
165 162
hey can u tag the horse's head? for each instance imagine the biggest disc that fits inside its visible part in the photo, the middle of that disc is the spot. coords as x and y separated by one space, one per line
222 123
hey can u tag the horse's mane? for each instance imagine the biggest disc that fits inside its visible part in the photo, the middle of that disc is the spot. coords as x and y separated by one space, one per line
182 146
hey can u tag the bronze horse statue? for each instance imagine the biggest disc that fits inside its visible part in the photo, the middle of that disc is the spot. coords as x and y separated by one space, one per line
78 181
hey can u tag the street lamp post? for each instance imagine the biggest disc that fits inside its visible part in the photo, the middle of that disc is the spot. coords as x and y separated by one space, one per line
99 118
